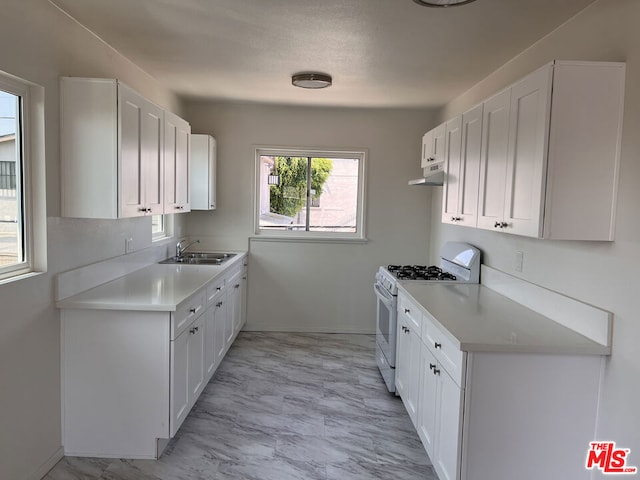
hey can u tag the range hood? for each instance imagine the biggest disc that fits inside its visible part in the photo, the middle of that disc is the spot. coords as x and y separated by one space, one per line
432 180
433 174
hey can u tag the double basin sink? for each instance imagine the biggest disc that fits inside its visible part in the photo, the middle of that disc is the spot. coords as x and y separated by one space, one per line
200 258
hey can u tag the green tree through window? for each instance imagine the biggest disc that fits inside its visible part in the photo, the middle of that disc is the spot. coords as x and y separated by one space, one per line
290 195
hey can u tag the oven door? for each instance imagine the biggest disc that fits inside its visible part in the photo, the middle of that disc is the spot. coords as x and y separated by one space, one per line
386 323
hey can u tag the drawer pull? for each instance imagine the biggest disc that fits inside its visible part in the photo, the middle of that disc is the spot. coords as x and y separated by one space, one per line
219 304
432 366
437 345
237 285
406 310
436 371
194 330
192 310
218 289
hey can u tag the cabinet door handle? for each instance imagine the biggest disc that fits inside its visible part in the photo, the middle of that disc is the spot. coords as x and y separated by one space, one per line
237 285
406 310
219 304
504 225
497 225
244 278
218 289
192 310
194 330
430 159
436 371
432 366
437 345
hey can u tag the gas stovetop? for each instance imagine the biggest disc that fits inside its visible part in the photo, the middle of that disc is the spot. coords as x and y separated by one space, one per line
419 272
459 263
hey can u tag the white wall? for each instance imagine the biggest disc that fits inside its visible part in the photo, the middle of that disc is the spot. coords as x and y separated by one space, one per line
322 287
40 44
600 273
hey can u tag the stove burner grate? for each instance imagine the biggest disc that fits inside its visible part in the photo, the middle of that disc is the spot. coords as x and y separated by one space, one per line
419 272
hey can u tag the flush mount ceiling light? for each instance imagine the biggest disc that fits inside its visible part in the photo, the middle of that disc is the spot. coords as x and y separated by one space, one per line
442 3
311 80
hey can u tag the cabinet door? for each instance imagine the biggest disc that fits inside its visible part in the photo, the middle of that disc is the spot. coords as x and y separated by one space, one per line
235 284
427 400
493 160
153 158
131 176
210 341
196 359
179 381
451 188
427 149
470 167
448 437
527 153
402 357
413 376
177 145
438 145
220 345
203 172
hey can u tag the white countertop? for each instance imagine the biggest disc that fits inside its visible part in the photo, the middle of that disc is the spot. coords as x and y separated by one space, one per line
158 287
478 319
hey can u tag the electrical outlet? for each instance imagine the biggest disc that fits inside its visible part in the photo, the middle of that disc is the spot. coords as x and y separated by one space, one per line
519 260
128 245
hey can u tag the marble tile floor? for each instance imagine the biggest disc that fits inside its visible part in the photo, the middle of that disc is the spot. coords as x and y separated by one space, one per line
284 406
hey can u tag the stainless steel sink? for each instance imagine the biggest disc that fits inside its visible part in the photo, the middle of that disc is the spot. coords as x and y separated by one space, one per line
201 258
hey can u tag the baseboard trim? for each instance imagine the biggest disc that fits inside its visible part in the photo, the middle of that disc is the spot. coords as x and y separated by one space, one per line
47 465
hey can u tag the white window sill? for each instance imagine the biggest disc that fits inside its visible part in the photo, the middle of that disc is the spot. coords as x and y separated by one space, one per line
310 239
19 276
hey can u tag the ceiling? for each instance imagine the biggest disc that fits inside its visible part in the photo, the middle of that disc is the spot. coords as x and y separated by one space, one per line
381 53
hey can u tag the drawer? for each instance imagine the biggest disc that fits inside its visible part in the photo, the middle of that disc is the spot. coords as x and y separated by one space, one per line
410 313
187 312
214 289
451 358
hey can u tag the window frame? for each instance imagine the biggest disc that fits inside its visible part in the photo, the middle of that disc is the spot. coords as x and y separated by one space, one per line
167 228
358 236
17 88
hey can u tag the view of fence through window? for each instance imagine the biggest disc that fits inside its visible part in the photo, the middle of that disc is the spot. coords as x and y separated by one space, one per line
11 251
300 193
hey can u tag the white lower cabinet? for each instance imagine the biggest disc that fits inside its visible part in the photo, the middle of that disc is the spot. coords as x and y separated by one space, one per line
130 378
408 356
439 414
495 415
187 371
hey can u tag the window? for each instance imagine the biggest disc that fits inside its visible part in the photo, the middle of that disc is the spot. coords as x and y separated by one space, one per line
310 193
160 227
22 205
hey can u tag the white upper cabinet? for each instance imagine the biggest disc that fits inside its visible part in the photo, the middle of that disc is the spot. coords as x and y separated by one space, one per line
113 151
551 151
451 187
177 145
203 172
433 146
462 167
493 160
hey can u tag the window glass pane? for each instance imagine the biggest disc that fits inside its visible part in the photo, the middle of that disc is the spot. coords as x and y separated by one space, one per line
157 225
11 203
283 193
334 195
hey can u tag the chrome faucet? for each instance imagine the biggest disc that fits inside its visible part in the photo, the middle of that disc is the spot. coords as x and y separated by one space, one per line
180 249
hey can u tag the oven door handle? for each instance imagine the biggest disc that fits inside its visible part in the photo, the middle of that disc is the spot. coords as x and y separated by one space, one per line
383 295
